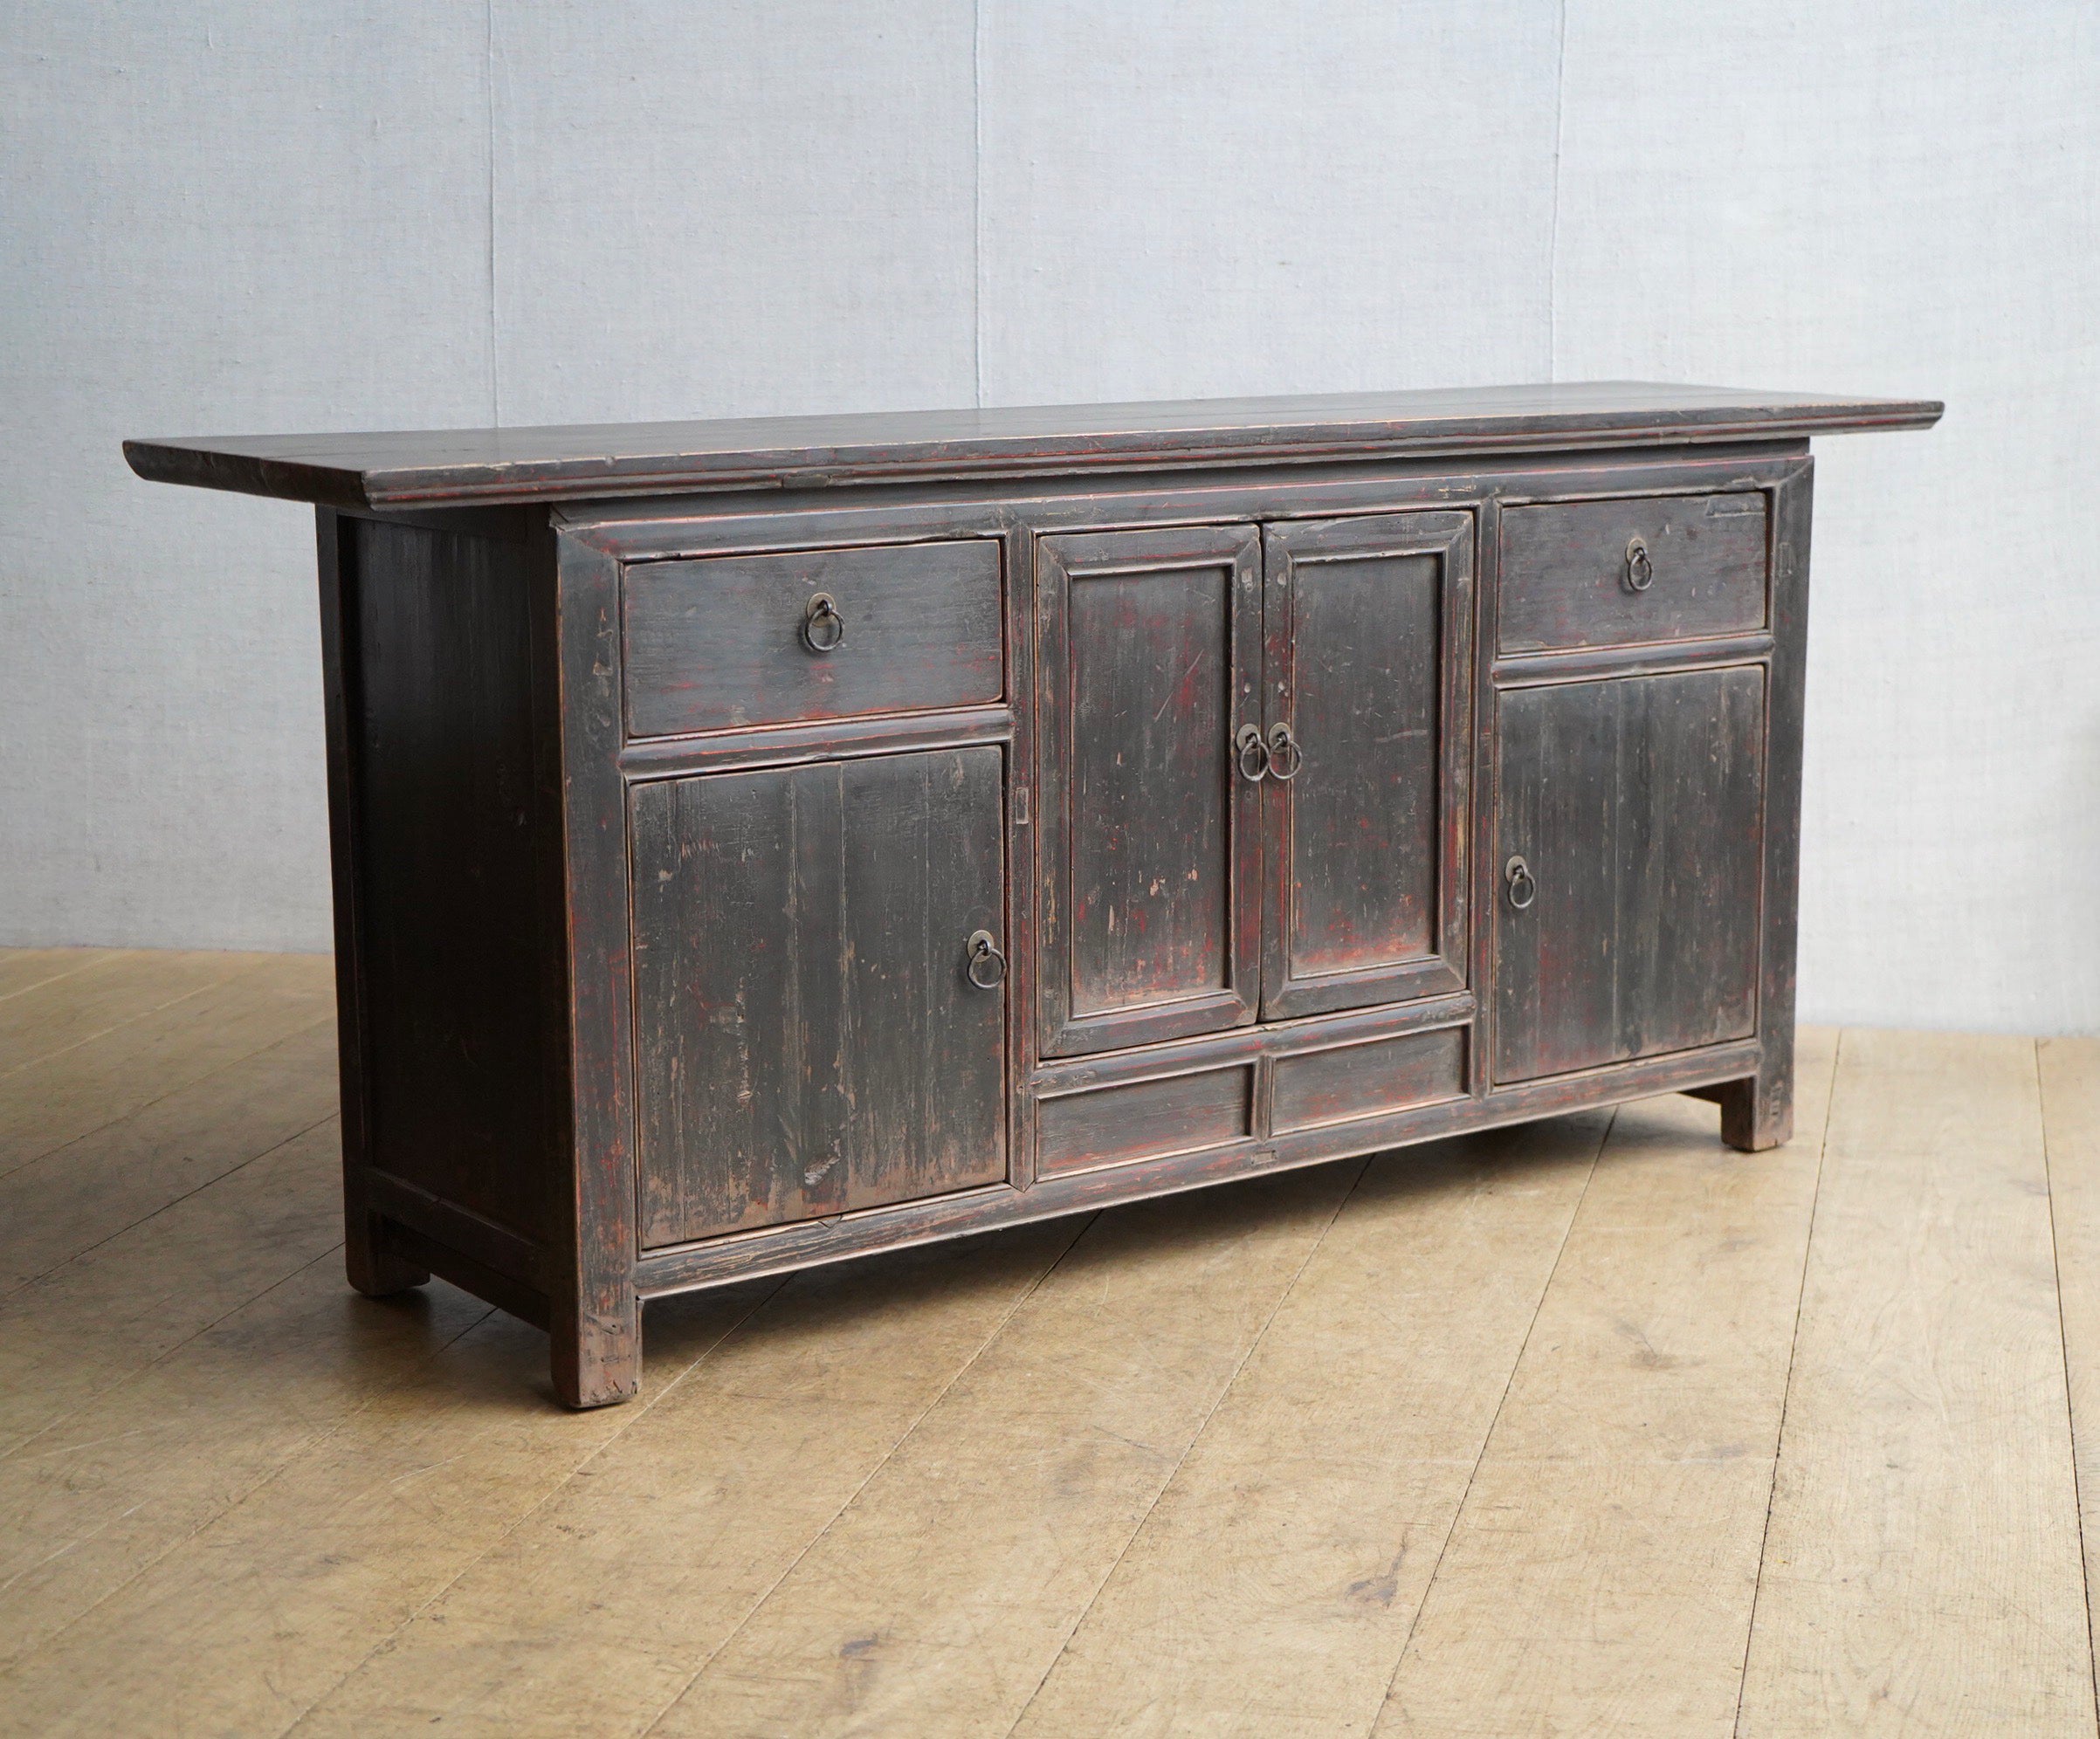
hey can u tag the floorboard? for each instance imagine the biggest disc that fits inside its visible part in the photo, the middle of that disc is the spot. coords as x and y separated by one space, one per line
1601 1573
24 969
60 1206
2070 1113
116 1310
937 1600
597 1613
1273 1587
236 1006
245 1624
71 1007
1922 1570
1591 1426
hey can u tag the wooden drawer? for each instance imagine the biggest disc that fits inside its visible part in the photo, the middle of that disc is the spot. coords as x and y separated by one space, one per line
1116 1124
721 641
1572 575
1368 1078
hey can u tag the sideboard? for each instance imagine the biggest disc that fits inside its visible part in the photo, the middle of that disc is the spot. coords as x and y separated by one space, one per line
760 843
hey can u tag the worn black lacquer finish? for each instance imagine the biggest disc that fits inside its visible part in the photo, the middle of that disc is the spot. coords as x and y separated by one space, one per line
760 843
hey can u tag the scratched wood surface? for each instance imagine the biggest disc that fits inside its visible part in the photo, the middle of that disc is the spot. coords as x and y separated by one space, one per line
810 1042
1591 1426
1649 944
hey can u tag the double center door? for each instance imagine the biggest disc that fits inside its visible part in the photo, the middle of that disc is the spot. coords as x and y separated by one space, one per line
1253 786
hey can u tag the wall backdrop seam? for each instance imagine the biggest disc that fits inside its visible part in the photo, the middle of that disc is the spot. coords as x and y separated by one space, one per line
977 197
495 354
1553 231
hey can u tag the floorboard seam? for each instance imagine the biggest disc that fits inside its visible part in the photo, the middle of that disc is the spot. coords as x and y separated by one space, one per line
184 1086
56 978
1488 1436
232 1171
129 1021
166 1353
639 1412
1815 1200
2063 1341
303 1447
853 1497
1195 1437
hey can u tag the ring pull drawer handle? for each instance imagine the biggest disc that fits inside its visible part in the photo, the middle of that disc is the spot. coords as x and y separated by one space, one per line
987 965
1251 753
1523 889
1640 566
1286 758
822 626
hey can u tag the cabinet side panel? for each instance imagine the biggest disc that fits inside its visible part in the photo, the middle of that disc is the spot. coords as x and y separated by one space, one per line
452 957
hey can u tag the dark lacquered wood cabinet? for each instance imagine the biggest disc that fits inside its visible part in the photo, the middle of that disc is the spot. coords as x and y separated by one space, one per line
1366 690
1630 824
761 843
808 1037
1151 652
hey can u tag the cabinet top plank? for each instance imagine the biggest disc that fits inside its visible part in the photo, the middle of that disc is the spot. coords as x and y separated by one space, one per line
480 466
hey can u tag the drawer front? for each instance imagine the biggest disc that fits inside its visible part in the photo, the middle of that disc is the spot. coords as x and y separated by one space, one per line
1143 1120
722 641
1368 1079
1574 572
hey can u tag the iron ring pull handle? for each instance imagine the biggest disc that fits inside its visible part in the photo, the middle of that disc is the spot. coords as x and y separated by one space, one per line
822 626
1522 886
1251 754
1286 758
986 966
1640 566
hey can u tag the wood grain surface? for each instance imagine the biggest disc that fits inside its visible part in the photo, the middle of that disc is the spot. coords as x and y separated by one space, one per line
1544 1430
809 1041
1637 806
719 642
1922 1570
462 466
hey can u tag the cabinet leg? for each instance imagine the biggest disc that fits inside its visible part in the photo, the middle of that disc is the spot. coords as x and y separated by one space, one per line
1757 1113
598 1355
371 1269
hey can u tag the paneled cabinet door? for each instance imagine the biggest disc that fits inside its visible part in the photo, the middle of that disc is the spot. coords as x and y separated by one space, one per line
819 963
1366 716
1629 854
1149 843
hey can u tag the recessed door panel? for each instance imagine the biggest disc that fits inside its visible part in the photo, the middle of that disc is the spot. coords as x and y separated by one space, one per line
814 1032
1368 637
1629 861
1150 857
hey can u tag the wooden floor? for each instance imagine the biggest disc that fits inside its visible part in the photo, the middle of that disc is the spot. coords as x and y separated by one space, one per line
1592 1426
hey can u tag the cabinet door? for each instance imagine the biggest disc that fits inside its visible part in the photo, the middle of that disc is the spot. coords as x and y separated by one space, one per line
809 1038
1150 845
1636 806
1368 626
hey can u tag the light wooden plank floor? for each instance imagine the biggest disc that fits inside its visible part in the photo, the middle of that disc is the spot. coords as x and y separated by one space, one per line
1590 1426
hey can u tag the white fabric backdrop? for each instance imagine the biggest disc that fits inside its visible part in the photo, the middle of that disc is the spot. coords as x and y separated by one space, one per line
238 217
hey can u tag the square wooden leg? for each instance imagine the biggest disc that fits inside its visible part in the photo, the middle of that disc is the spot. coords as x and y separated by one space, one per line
597 1354
1758 1113
372 1269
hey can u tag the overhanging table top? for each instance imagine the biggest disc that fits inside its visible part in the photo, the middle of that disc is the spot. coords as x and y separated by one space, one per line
464 467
